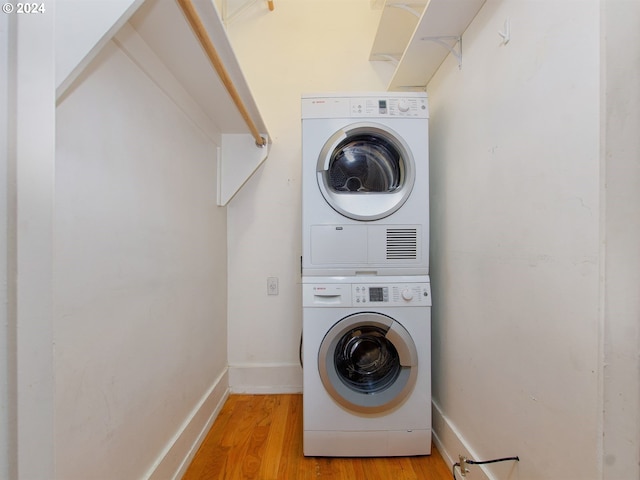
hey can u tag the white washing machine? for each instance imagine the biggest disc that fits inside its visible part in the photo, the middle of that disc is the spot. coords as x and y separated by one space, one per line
365 184
366 366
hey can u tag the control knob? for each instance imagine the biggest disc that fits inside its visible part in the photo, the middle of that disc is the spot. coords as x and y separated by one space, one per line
407 294
403 106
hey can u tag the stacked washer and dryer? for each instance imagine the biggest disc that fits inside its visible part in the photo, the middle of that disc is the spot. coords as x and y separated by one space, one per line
365 264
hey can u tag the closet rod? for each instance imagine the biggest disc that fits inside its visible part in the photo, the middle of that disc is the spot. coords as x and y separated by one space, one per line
198 28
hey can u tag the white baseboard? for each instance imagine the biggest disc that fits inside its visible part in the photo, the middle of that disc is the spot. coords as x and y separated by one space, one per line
175 459
265 379
451 444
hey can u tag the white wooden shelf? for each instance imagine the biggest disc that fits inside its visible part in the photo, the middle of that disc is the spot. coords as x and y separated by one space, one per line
156 35
417 35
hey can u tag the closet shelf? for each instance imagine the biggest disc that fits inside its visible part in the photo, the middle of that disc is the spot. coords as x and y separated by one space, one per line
418 35
157 36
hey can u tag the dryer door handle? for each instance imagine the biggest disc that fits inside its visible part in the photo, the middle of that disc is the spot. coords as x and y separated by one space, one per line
404 345
325 154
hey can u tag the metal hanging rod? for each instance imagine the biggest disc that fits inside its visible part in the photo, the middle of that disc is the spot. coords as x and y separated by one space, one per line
201 33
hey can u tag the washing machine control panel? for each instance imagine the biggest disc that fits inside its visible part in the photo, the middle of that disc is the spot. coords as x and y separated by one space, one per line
389 107
391 295
365 294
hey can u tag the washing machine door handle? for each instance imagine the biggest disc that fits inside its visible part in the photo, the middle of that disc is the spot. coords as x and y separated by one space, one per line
405 347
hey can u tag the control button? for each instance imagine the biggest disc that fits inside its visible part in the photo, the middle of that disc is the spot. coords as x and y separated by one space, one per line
403 106
407 294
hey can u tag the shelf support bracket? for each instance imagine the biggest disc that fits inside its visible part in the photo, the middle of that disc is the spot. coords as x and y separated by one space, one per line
387 57
407 7
445 41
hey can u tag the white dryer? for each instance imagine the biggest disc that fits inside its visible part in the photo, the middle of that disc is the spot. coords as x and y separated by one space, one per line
365 184
366 366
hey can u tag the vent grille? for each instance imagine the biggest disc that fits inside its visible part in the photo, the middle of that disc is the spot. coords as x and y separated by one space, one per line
402 244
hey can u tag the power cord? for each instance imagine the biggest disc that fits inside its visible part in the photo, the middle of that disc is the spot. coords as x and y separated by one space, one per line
300 352
465 461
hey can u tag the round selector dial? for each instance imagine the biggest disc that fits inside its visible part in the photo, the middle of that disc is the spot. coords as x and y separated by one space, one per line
403 106
407 294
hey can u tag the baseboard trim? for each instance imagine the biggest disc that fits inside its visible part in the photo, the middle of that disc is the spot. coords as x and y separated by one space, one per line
450 443
175 459
265 379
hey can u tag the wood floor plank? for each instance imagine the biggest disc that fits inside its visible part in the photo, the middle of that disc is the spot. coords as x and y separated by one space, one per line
212 455
432 467
255 453
275 447
260 437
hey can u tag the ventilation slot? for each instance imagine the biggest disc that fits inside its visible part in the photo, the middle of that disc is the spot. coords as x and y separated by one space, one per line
402 244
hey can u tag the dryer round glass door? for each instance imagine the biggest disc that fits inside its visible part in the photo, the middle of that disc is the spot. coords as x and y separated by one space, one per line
368 362
365 171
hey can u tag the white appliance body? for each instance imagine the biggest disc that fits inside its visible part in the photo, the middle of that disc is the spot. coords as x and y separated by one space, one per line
367 366
365 184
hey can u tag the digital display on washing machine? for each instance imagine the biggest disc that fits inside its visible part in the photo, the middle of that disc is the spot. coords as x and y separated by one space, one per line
378 294
382 106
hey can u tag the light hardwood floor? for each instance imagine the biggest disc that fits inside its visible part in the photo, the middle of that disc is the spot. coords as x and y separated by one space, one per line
260 437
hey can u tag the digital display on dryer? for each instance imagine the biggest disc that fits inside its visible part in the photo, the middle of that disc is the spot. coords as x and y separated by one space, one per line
378 294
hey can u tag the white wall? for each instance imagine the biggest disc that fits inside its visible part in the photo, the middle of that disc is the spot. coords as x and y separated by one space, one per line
26 213
139 276
6 364
300 47
82 29
621 226
518 220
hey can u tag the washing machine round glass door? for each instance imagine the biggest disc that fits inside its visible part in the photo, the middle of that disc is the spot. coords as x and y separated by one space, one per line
368 362
365 171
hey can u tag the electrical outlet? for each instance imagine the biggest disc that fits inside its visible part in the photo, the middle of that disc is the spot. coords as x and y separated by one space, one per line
463 465
272 285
